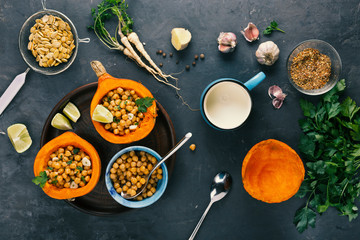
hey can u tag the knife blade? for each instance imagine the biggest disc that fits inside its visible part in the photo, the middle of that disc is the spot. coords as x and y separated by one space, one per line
12 90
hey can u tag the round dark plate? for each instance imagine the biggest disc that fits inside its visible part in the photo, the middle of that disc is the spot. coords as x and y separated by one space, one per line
161 139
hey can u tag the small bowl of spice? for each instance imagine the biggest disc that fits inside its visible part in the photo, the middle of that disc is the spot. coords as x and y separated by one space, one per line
314 67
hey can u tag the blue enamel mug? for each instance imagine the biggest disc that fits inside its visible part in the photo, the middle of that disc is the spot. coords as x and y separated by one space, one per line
226 103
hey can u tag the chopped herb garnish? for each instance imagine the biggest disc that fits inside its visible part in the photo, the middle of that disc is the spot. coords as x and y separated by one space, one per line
125 102
129 98
144 103
76 150
54 182
69 162
136 123
273 26
41 179
50 168
79 168
109 99
118 107
61 157
83 179
115 119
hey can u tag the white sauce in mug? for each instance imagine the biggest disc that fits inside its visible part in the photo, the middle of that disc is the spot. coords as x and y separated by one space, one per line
227 105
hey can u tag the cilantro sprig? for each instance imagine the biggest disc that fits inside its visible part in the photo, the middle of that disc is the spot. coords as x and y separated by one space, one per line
41 179
144 103
330 145
273 27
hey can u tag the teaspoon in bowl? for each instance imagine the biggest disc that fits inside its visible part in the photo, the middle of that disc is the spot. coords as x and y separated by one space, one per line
169 154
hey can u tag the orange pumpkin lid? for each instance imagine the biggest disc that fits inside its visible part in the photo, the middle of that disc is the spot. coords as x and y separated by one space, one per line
272 171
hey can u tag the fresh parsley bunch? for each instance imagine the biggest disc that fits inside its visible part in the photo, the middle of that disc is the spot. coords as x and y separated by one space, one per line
331 146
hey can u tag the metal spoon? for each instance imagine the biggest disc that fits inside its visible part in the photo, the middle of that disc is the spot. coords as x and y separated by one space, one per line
169 154
219 188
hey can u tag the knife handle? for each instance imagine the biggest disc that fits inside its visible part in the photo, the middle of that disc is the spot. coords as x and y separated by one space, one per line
12 90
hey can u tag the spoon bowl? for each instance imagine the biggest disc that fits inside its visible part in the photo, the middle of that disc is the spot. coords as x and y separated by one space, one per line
220 186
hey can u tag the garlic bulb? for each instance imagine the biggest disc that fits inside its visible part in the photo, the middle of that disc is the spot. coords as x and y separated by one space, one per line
227 42
251 32
267 53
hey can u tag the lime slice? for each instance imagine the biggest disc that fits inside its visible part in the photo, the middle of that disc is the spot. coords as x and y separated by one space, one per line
19 137
59 121
71 111
102 114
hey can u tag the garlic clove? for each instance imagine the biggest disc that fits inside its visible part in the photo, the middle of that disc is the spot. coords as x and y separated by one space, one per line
275 91
251 32
227 42
277 103
225 49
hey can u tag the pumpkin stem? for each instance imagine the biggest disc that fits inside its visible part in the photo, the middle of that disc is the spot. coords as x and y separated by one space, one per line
98 68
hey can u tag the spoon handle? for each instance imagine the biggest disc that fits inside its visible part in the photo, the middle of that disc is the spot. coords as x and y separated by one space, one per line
200 221
170 153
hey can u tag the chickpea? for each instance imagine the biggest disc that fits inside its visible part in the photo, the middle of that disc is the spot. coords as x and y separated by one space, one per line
59 178
107 126
106 104
113 170
116 131
81 184
118 114
61 150
56 165
110 94
67 185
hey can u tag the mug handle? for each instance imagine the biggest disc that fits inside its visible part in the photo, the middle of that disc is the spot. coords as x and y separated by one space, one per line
254 81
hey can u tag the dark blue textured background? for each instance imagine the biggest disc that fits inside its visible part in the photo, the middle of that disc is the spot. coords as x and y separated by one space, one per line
27 213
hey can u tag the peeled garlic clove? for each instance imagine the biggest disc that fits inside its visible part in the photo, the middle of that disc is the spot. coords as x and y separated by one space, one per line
227 42
251 32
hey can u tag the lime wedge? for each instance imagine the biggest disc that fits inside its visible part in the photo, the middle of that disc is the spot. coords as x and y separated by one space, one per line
102 114
59 121
71 111
19 137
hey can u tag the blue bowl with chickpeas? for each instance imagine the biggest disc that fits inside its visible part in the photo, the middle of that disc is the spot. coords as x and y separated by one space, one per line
127 171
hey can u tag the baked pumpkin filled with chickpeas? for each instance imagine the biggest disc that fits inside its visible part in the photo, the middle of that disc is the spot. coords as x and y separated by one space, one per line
67 167
122 110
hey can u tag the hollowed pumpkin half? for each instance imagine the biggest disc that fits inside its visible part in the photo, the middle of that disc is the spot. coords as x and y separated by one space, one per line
66 139
272 171
107 83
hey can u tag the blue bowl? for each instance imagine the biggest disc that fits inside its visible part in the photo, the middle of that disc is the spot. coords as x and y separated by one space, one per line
161 185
